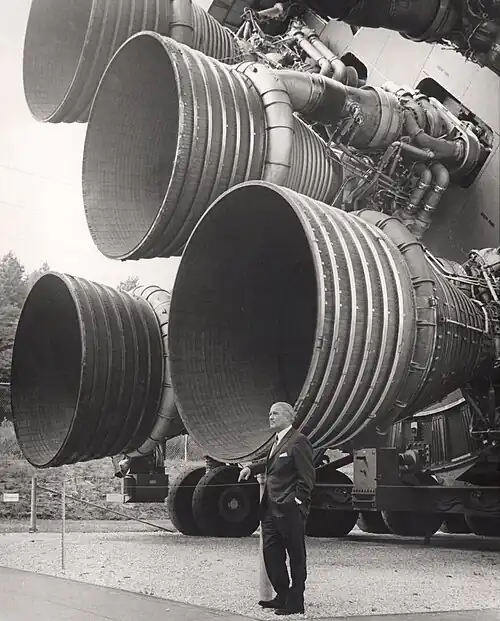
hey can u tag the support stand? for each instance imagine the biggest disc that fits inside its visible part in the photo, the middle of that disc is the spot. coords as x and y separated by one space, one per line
63 522
33 528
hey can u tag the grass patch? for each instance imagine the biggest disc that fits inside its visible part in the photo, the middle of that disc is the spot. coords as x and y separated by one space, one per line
89 481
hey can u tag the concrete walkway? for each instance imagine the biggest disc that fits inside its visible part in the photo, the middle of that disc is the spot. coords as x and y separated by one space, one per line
25 596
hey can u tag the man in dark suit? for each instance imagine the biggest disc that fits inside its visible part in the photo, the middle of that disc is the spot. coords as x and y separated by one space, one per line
284 507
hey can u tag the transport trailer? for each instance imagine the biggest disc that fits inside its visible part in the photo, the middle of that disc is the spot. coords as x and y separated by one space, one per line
337 218
424 480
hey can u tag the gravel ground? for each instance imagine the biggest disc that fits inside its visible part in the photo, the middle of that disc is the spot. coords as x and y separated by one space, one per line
362 574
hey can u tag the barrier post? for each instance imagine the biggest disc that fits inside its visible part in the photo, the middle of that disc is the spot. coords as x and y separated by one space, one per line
265 587
33 528
63 521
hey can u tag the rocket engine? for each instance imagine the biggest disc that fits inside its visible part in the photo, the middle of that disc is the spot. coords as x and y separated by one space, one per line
296 195
471 27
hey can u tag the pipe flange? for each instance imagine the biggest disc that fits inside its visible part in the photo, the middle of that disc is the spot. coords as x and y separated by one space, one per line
438 26
391 121
472 154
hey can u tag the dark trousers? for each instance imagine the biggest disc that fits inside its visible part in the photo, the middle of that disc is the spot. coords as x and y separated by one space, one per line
281 535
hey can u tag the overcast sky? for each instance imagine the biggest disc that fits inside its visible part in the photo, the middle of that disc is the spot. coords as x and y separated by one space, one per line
41 208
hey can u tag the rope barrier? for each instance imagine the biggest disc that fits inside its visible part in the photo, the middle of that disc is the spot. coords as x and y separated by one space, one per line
93 504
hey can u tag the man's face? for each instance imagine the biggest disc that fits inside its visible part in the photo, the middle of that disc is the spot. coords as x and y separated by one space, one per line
278 420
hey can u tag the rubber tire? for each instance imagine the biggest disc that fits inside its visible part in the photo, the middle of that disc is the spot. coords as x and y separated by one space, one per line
372 522
326 522
484 526
412 523
180 501
455 524
211 498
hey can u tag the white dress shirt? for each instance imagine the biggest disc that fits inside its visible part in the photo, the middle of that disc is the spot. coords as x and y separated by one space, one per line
281 434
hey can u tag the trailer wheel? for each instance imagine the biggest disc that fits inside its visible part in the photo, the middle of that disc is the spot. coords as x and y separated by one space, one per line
483 525
180 501
324 522
455 524
412 523
372 522
222 507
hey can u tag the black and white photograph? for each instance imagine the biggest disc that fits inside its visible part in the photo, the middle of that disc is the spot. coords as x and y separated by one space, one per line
249 310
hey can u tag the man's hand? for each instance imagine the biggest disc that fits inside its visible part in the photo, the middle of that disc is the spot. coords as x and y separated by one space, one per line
245 474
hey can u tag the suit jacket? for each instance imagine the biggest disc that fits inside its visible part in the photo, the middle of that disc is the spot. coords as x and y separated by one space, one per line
289 473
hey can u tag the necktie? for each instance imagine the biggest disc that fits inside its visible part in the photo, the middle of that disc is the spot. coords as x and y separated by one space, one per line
275 445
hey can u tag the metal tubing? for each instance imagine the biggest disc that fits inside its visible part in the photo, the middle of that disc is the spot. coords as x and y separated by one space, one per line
436 125
279 120
339 314
189 128
324 100
407 213
313 52
338 69
182 25
451 150
314 95
68 44
440 183
168 423
87 372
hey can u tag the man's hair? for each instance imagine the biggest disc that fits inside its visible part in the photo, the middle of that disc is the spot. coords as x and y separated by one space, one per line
284 408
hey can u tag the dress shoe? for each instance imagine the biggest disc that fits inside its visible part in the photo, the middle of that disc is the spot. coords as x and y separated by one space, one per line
276 602
289 611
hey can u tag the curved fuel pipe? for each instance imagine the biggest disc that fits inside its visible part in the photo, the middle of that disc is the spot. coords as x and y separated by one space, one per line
437 125
450 150
68 44
319 58
87 372
326 101
339 70
168 423
407 213
439 185
188 129
339 314
352 77
182 24
330 65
